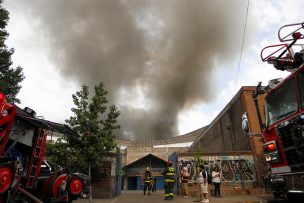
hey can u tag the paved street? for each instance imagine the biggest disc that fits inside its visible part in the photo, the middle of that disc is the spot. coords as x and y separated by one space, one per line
138 197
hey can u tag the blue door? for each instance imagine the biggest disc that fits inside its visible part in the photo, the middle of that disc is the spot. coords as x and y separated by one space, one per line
139 183
160 183
132 183
135 183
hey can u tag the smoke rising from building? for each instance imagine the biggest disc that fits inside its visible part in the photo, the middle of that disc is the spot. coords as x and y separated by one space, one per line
155 57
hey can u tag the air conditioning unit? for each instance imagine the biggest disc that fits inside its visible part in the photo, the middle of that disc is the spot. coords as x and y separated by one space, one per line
30 111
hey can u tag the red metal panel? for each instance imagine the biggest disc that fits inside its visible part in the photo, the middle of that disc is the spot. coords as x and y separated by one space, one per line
7 115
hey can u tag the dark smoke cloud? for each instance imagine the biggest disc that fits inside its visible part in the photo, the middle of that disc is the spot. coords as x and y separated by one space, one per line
164 50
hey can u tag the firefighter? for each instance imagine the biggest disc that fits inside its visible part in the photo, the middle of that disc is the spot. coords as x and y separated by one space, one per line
147 181
169 174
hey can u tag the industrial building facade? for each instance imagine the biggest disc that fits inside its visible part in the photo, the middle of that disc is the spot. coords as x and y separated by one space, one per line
137 155
223 143
225 133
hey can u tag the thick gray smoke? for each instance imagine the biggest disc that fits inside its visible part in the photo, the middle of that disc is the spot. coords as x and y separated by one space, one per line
155 57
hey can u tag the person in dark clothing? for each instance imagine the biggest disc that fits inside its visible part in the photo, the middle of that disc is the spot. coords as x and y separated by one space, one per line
154 184
147 181
216 179
169 173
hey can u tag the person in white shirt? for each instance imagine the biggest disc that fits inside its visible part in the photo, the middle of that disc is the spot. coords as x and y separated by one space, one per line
203 181
216 179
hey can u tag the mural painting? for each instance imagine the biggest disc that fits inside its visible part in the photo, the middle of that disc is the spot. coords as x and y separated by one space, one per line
232 169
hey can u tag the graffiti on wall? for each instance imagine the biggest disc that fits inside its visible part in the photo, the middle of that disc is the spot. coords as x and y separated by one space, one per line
232 170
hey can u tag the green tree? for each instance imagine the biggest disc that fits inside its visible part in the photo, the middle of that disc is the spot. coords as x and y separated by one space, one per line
10 78
198 161
96 122
198 158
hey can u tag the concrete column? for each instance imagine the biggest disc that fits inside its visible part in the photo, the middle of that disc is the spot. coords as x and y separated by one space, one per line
125 182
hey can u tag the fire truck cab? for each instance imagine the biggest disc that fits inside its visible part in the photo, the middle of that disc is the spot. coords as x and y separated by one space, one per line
284 135
283 131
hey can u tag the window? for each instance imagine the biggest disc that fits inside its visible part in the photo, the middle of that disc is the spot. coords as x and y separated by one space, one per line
282 102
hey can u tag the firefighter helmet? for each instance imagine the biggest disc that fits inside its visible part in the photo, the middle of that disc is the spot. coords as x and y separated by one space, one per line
170 163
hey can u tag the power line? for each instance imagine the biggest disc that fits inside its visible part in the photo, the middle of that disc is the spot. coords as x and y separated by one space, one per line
242 47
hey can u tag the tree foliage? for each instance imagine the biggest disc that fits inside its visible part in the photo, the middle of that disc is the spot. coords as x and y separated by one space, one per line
10 78
96 122
198 158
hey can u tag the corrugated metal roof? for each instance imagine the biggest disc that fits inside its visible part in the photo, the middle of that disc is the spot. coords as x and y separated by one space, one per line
189 137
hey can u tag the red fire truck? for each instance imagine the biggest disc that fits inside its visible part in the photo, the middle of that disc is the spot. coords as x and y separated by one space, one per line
284 110
24 174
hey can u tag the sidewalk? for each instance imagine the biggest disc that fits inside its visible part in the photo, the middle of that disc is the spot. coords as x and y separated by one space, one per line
138 197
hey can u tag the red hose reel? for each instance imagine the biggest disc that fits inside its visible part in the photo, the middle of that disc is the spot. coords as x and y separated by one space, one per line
74 185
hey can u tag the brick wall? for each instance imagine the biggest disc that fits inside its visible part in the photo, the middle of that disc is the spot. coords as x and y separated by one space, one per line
239 175
227 189
105 188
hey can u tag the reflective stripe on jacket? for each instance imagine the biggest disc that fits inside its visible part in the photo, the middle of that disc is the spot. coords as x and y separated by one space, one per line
169 173
148 178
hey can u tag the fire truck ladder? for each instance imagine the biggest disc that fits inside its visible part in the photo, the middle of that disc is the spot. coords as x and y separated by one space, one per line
37 156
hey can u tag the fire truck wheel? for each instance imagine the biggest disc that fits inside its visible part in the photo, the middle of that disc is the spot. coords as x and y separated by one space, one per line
75 186
6 177
279 195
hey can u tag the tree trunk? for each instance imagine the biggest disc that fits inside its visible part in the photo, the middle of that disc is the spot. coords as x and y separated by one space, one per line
90 186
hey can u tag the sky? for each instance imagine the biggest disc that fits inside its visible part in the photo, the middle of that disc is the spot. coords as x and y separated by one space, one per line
170 66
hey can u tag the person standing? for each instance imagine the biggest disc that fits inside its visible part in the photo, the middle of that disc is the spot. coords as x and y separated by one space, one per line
154 184
184 181
169 173
216 179
203 181
147 181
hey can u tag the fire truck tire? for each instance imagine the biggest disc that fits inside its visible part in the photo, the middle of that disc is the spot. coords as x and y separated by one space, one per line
6 177
276 195
279 195
294 197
